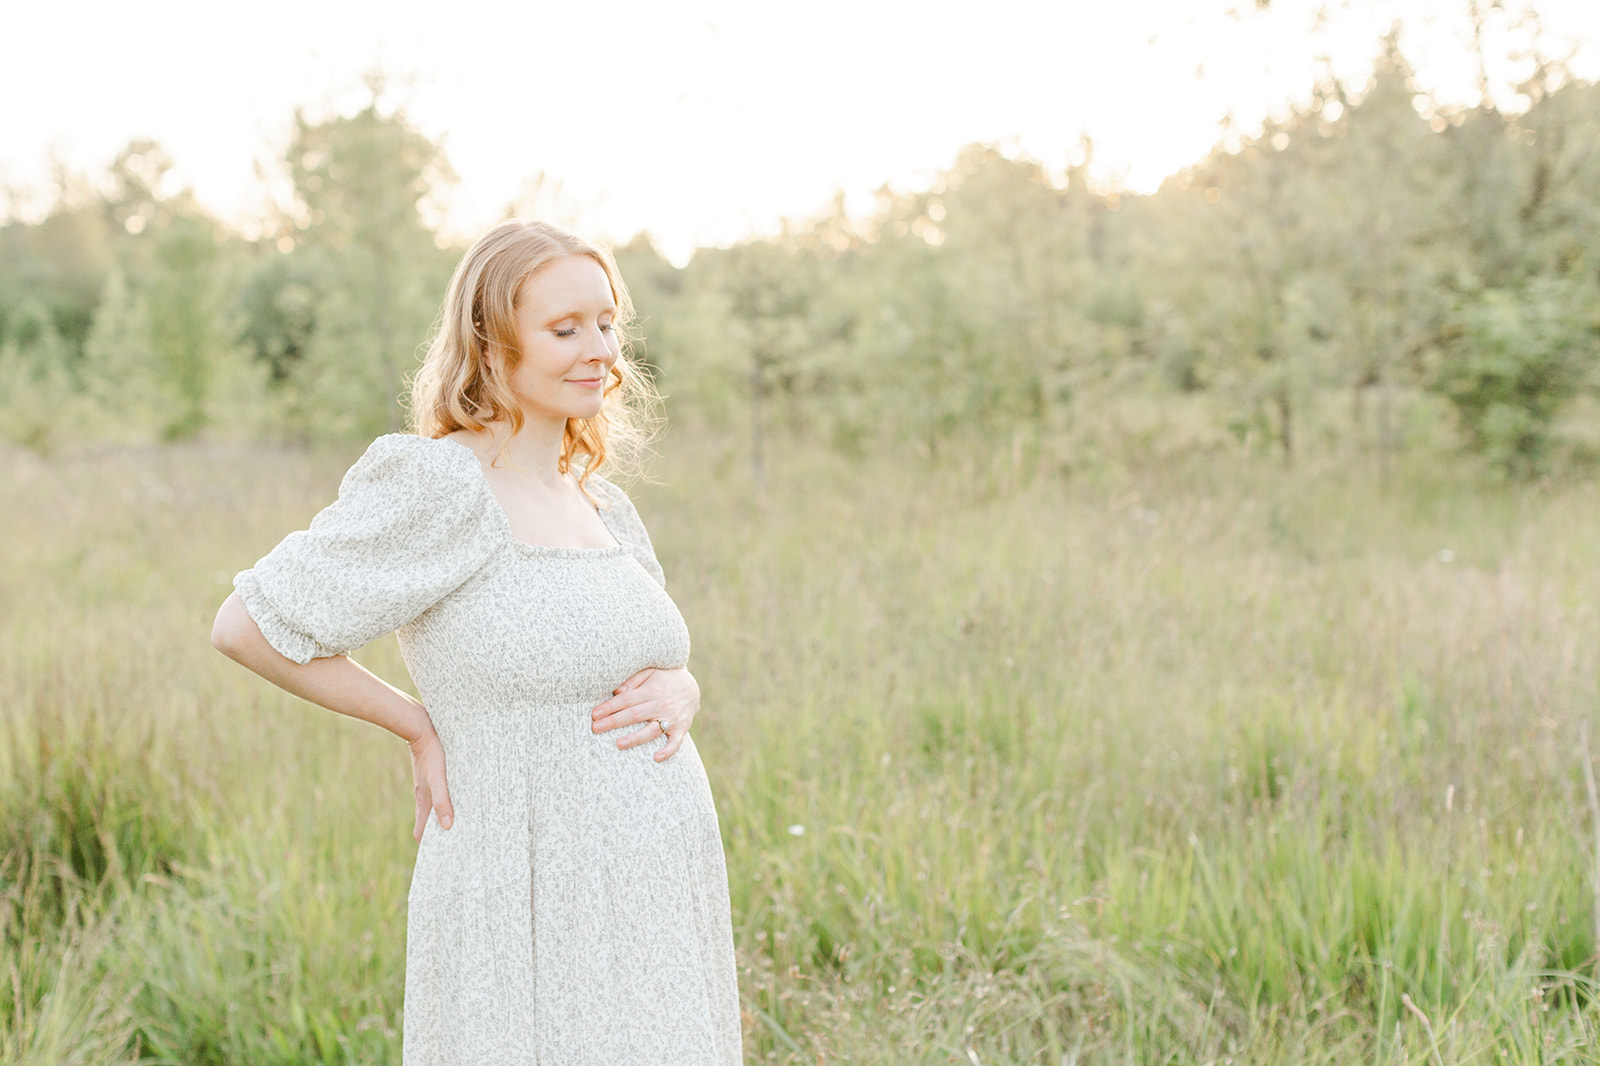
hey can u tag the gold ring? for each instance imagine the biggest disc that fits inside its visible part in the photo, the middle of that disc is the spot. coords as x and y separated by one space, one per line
662 723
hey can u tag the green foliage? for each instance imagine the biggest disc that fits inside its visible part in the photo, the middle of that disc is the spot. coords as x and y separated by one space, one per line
1010 278
360 184
1005 304
83 812
183 299
159 360
1514 359
123 312
119 364
36 388
55 267
277 308
1366 241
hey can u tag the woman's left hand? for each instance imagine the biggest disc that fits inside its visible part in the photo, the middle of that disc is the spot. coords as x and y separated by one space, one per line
667 699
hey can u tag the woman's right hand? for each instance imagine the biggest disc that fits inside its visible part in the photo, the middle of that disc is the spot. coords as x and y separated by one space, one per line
427 773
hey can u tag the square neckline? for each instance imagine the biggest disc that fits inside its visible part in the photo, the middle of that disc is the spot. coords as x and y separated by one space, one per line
556 550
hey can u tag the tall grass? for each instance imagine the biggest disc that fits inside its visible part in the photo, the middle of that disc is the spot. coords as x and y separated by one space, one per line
1197 762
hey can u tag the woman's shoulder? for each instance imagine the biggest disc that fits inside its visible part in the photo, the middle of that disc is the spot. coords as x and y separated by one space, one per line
406 464
607 493
430 480
407 453
622 518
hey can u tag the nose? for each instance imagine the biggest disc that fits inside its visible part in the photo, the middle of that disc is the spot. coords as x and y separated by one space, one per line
600 348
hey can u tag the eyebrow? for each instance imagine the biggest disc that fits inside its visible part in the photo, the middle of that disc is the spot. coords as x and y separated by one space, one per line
608 309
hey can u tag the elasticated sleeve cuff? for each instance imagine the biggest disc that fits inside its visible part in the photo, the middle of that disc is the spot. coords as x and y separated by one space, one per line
285 639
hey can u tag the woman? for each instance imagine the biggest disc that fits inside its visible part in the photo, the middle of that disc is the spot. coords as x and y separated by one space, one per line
569 902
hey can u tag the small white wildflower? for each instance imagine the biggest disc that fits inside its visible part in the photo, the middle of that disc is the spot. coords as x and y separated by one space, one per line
1446 555
797 830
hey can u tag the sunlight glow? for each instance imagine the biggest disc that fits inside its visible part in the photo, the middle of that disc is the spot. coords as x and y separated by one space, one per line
709 121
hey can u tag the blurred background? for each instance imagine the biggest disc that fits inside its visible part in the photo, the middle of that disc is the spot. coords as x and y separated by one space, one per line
1361 226
1129 470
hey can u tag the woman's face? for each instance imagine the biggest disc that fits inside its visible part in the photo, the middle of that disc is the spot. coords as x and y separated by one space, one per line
569 344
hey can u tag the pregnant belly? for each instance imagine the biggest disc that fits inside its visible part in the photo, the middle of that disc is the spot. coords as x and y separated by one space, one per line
535 779
581 783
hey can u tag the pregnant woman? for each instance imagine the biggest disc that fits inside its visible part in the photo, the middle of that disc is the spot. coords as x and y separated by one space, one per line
569 904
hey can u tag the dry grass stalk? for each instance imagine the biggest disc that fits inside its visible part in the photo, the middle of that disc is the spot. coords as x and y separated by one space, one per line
1405 1000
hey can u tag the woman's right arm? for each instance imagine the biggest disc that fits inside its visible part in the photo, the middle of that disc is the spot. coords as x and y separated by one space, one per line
342 685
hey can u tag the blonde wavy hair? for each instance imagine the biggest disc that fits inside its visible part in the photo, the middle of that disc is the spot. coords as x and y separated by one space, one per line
457 388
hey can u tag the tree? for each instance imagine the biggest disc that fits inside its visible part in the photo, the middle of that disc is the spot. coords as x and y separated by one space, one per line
1522 335
277 311
183 299
1387 238
1243 274
360 181
768 301
134 199
119 367
1514 359
55 267
36 387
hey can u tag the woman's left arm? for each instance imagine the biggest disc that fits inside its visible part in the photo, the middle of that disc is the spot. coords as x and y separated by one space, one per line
668 699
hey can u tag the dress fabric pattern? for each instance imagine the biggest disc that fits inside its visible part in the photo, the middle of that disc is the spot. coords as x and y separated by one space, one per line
577 911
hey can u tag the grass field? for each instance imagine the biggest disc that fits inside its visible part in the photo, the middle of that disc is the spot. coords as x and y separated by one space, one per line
1205 762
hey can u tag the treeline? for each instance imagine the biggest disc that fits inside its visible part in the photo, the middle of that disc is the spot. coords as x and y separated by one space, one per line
1370 273
128 310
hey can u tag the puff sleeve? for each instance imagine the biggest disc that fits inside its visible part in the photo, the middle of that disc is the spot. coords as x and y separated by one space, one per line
625 524
413 521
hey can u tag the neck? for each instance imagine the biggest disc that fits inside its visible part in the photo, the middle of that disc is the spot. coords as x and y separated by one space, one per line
536 447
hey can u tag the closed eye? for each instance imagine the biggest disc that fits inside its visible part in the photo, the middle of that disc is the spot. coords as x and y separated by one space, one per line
570 331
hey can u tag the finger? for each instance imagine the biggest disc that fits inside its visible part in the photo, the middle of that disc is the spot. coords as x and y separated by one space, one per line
643 711
635 681
442 806
631 716
621 702
423 803
651 730
670 748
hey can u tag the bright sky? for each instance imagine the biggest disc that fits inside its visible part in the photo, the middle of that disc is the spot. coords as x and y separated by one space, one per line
700 120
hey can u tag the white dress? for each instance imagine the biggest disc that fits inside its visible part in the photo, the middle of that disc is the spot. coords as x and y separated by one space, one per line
577 911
